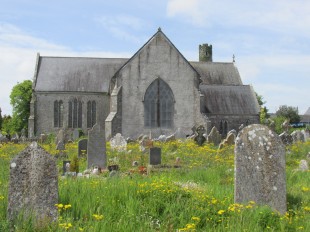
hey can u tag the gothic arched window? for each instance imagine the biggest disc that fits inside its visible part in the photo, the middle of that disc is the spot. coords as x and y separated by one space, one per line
158 105
91 114
75 114
223 127
58 113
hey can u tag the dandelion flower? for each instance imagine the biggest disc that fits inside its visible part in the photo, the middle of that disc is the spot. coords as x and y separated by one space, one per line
220 212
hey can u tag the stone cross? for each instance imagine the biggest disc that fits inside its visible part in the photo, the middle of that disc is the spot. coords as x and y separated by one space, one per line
96 147
118 143
200 139
260 168
33 185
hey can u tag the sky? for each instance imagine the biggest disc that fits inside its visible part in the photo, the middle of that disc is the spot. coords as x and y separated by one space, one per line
269 39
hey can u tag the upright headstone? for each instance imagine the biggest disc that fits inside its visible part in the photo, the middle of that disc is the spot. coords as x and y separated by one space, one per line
297 136
33 185
199 138
306 134
75 134
96 147
60 136
82 147
155 155
260 167
65 166
214 136
118 143
60 146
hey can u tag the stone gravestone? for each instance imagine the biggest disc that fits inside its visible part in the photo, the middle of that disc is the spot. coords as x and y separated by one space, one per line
33 185
96 147
298 136
155 155
60 136
306 134
65 166
260 168
82 147
303 165
60 146
200 139
214 136
118 143
75 134
286 138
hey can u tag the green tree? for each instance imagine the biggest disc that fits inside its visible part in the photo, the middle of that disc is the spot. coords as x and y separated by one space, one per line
289 112
6 124
0 119
263 113
20 98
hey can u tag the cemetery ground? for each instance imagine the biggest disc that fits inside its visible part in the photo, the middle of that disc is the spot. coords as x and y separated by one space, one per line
198 196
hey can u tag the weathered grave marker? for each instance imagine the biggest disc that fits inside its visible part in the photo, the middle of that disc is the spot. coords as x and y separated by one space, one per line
118 143
260 167
82 147
75 134
214 136
155 155
96 147
200 139
33 185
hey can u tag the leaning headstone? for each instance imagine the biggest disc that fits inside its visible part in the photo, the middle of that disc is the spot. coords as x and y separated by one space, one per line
82 147
33 186
75 134
214 136
286 138
230 139
306 134
297 136
155 155
96 147
162 138
118 143
170 138
260 168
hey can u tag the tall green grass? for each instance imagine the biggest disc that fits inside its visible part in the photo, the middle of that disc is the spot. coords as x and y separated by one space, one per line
196 197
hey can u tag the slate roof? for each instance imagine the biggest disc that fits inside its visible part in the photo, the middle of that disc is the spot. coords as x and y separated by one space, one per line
217 73
228 99
306 116
58 74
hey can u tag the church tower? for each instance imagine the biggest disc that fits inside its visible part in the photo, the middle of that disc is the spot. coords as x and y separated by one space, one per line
205 53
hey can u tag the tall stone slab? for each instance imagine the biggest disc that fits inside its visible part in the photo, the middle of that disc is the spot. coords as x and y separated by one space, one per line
96 147
260 167
214 136
33 185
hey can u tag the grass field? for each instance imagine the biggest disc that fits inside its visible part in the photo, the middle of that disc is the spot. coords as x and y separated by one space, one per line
196 197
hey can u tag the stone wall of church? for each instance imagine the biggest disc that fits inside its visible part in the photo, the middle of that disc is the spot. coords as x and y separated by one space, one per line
44 110
233 121
158 59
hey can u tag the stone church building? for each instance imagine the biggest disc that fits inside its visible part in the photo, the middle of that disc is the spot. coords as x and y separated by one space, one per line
155 91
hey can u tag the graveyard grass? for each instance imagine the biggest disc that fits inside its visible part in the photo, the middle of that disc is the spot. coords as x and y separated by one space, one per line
196 197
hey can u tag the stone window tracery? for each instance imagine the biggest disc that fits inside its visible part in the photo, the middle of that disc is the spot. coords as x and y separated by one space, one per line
75 114
91 114
58 113
158 105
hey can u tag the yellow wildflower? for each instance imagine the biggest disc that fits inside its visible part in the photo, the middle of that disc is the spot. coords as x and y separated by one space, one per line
220 212
305 189
196 218
1 197
98 217
67 206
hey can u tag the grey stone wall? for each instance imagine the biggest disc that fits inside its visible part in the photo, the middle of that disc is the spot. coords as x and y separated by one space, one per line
158 59
234 121
44 113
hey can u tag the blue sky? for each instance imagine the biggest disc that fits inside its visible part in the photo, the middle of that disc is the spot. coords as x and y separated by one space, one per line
270 39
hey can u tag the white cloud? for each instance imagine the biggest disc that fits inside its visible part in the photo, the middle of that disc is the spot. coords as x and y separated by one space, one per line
121 26
18 57
285 16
